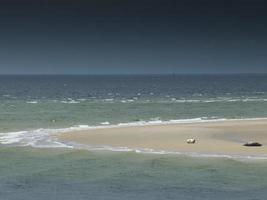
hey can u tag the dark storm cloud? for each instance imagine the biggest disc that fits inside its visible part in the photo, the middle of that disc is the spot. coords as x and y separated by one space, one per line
149 36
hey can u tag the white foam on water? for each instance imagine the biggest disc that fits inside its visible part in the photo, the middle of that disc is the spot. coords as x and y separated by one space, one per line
70 102
12 137
32 102
105 123
168 99
34 138
219 100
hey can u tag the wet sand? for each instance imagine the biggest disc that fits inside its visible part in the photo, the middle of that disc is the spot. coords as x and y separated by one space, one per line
224 137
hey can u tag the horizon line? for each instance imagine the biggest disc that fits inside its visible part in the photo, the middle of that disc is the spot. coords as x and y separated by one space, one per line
132 74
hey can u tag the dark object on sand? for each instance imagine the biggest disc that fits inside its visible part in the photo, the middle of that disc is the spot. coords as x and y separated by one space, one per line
253 144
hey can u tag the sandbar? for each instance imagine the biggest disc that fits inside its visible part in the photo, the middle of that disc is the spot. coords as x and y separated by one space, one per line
220 137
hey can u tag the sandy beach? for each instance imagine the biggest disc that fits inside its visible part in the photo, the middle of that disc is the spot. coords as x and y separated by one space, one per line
222 137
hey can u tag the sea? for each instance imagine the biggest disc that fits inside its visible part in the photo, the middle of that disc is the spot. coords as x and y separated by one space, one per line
36 166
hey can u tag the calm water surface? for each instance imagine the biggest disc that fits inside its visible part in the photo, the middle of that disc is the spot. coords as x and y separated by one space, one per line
28 173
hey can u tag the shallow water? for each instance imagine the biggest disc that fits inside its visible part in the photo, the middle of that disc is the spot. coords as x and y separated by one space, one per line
32 173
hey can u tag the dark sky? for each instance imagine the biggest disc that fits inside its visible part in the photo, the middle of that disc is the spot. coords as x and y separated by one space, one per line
133 36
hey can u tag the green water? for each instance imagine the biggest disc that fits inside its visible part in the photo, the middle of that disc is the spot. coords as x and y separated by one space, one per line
19 115
34 102
32 173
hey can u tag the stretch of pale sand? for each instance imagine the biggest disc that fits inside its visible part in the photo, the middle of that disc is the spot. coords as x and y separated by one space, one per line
224 137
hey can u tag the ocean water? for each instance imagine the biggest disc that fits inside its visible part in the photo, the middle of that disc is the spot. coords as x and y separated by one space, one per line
34 107
34 102
42 174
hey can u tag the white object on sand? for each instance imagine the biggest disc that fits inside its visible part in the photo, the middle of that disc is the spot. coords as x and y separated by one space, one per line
191 141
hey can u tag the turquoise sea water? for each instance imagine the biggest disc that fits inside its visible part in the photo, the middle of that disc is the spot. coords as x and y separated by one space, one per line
28 173
33 107
34 102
